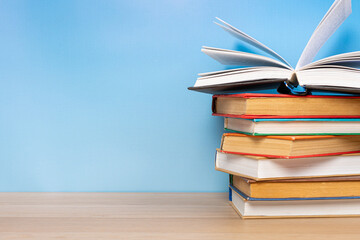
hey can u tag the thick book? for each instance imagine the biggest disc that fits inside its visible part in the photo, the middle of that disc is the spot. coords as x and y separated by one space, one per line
262 168
248 207
348 186
290 146
337 73
255 105
293 126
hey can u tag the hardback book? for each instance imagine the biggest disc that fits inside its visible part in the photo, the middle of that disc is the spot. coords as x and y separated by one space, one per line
348 186
337 73
293 126
262 168
255 105
248 207
290 146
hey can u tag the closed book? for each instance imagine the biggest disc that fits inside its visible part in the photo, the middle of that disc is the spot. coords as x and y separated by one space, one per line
254 105
248 207
290 146
262 168
293 126
348 186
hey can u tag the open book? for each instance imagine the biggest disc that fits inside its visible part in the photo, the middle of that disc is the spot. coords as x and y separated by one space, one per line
336 73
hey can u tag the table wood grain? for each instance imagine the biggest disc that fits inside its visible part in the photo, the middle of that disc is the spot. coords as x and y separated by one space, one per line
151 216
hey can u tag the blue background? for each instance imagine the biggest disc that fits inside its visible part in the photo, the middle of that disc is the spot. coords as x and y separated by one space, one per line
93 93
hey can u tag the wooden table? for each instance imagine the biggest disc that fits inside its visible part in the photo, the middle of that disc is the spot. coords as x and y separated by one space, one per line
151 216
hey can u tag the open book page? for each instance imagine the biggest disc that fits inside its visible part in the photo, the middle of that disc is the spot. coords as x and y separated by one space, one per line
229 57
230 71
330 76
336 15
351 59
208 74
246 38
253 75
216 72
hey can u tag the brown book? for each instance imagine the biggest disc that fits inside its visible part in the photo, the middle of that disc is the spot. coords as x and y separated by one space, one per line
299 188
290 146
250 105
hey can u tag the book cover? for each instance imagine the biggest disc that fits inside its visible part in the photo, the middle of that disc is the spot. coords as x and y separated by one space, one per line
284 96
293 126
247 198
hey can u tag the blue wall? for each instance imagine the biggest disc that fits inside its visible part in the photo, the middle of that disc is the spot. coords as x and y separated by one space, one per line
93 93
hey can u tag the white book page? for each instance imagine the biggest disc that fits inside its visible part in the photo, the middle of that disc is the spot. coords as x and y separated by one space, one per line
332 76
351 59
229 57
216 72
228 71
246 38
336 15
255 74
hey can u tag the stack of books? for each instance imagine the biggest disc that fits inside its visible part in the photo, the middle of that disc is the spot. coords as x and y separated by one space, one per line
291 156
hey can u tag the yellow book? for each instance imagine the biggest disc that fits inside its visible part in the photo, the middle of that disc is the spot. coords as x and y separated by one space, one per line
250 105
289 146
299 188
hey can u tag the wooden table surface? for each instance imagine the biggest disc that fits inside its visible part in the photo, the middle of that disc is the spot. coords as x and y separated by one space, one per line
151 216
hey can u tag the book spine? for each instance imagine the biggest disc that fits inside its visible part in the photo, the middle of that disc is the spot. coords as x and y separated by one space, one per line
230 194
213 104
222 140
